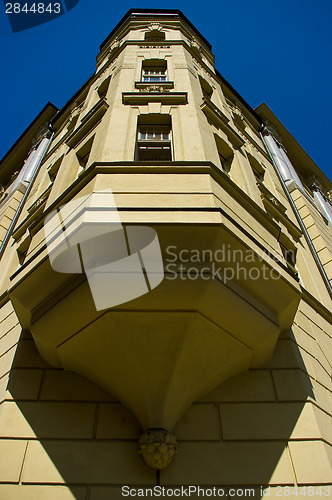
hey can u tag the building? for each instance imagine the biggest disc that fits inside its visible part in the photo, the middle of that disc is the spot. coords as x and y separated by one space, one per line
223 353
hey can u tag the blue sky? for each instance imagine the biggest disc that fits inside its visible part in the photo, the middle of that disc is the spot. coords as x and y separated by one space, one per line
273 52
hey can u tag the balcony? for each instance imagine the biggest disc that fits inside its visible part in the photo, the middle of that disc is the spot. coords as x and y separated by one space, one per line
158 337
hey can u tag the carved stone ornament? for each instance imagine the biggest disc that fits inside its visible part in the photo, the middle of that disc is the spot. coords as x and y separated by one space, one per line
153 88
14 175
75 111
329 196
267 196
155 27
196 47
72 120
238 116
41 200
157 447
154 46
315 184
2 193
114 46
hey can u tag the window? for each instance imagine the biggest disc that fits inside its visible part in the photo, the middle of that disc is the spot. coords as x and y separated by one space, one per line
154 74
22 250
207 90
224 163
84 153
155 36
54 168
103 87
289 255
259 174
225 153
154 70
257 169
154 143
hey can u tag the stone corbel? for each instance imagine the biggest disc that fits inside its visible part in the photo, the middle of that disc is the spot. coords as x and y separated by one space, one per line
197 49
238 118
113 49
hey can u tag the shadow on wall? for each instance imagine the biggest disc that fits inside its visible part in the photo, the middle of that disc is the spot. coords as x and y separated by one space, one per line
79 436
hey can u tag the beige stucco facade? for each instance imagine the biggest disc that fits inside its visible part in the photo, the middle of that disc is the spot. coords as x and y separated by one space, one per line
237 366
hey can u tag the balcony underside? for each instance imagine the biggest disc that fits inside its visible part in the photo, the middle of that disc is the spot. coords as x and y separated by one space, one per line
159 352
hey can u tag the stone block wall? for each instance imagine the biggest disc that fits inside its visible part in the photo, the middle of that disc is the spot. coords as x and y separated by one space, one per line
61 437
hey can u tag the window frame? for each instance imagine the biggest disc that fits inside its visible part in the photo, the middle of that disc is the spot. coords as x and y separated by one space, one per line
163 143
154 71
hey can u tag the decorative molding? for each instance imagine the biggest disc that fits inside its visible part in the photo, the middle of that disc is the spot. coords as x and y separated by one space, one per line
14 176
238 118
152 45
154 88
195 46
3 194
113 49
157 86
317 186
155 27
329 196
268 197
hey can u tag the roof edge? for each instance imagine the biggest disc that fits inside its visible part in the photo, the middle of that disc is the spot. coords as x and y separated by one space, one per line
154 12
34 121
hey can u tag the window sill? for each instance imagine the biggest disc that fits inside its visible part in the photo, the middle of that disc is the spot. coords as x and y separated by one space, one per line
144 97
